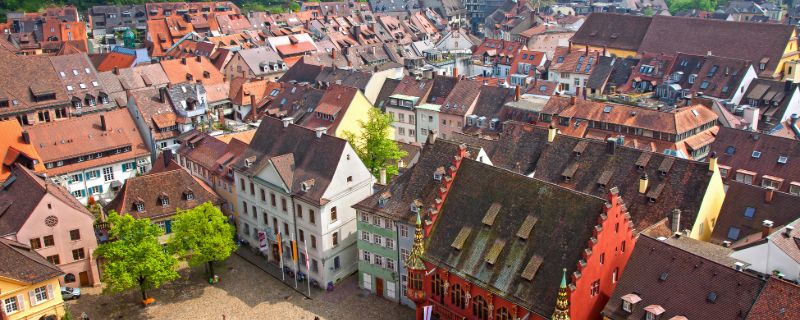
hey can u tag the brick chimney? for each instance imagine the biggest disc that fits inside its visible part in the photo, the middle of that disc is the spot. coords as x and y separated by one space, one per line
517 91
286 121
767 228
382 180
26 137
643 184
103 125
768 194
455 72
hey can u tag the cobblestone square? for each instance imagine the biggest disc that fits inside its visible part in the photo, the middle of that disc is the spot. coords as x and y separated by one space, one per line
244 292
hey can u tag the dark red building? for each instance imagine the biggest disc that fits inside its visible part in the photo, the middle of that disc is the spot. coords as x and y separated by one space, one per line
503 242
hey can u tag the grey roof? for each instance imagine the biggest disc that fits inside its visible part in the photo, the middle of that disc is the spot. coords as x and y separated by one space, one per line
260 57
19 262
122 16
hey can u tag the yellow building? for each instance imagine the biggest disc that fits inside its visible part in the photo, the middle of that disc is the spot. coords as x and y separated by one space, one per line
711 205
29 287
340 110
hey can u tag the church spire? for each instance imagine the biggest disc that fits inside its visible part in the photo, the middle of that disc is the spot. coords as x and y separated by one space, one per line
414 260
562 302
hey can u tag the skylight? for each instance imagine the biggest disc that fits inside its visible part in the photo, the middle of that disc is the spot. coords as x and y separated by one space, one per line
749 212
730 150
756 154
783 159
607 109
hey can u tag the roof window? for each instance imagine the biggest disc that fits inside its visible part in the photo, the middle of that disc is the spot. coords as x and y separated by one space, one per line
730 150
756 154
607 109
783 159
749 212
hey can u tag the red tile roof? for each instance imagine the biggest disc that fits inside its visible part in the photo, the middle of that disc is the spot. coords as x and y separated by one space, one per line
116 60
778 300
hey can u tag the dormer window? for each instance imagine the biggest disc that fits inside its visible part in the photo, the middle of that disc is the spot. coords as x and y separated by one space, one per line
188 195
139 206
629 301
164 201
653 312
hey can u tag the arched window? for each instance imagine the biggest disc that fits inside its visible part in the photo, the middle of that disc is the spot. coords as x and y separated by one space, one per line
502 314
457 296
479 308
69 278
437 285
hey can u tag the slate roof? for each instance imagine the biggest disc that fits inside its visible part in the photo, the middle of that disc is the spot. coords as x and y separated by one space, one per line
518 148
417 183
19 199
745 208
619 31
387 90
462 97
778 300
149 189
689 282
565 220
350 78
591 165
721 76
294 100
254 57
313 158
442 86
23 75
735 147
772 99
409 86
18 262
301 72
334 104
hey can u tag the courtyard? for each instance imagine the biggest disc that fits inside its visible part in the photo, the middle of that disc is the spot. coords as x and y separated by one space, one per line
244 292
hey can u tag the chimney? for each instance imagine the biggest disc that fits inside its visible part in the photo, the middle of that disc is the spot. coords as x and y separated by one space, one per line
286 121
116 70
516 93
431 137
643 184
197 58
788 86
162 94
382 180
253 102
768 194
26 137
712 161
767 228
577 92
183 61
551 134
787 232
611 145
676 220
572 100
221 115
455 72
320 131
167 157
751 117
103 122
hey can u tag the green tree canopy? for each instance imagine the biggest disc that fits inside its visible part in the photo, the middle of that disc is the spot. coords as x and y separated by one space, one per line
204 234
134 257
374 146
676 6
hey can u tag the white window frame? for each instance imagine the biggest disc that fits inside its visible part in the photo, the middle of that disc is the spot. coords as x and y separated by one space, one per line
12 302
40 295
365 236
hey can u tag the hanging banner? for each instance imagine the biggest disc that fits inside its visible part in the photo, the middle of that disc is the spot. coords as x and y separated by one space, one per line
427 310
262 240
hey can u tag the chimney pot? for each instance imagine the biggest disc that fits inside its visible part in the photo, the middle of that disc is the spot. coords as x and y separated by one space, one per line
768 194
712 161
787 232
382 180
611 145
572 100
431 136
103 122
286 121
183 60
767 228
167 157
116 70
320 131
676 220
455 72
517 92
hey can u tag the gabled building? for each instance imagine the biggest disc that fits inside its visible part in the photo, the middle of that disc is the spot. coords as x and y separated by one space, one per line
340 110
32 92
776 101
155 119
749 211
255 62
401 106
527 66
30 283
55 225
493 58
95 160
79 78
777 299
457 106
482 247
160 196
665 281
16 148
773 252
297 183
571 69
758 159
119 81
192 70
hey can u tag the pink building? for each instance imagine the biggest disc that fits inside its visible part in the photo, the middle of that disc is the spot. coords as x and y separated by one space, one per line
46 217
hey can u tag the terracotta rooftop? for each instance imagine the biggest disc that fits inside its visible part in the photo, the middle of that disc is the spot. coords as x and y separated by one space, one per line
192 69
14 149
778 300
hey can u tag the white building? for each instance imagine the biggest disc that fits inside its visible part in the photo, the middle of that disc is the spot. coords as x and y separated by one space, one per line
95 160
401 108
776 254
427 120
301 184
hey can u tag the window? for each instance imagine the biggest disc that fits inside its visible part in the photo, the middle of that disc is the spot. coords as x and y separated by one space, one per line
723 172
479 308
302 237
335 239
595 288
78 254
79 193
602 258
404 254
11 305
377 240
756 154
95 190
794 189
366 256
614 275
283 205
769 183
502 314
75 178
311 217
744 178
401 131
299 211
376 220
389 264
333 215
387 223
272 199
314 266
364 217
733 233
252 189
49 241
389 243
349 179
377 260
75 234
404 231
365 236
313 241
285 228
40 294
244 206
263 195
622 246
241 183
336 263
164 201
437 286
108 173
627 306
749 212
54 259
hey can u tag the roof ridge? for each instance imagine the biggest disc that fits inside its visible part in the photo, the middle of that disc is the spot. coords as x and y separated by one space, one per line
699 256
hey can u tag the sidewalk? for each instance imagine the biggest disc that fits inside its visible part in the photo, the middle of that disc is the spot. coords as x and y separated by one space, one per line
273 270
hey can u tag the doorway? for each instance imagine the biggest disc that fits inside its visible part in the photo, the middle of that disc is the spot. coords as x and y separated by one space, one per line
379 287
84 278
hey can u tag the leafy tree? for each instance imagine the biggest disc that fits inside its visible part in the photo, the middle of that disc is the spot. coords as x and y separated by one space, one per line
294 6
204 234
135 257
253 6
676 6
374 146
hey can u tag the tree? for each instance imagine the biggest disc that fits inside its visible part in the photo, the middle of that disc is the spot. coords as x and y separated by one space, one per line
134 257
294 6
204 234
374 146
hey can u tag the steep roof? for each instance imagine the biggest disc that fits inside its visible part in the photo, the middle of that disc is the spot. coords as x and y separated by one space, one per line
745 209
24 76
301 72
565 219
442 86
517 149
721 38
350 78
13 148
692 286
149 189
20 198
314 158
586 165
779 299
462 97
199 68
20 263
619 31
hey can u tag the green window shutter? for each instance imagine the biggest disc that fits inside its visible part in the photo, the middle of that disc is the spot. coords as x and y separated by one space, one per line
168 226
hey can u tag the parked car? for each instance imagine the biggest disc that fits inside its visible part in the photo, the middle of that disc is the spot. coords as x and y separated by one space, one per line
70 293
